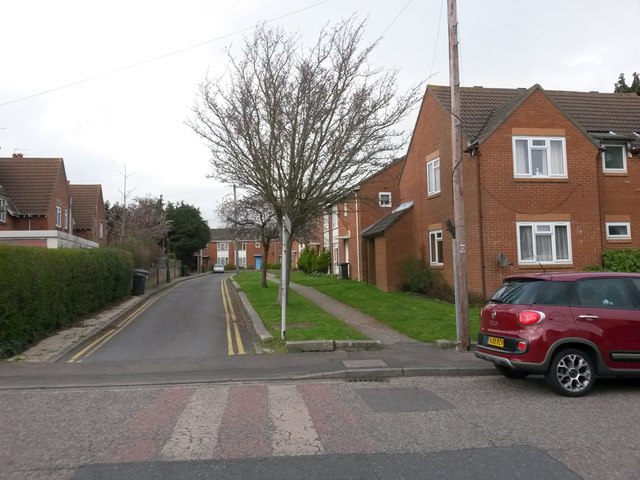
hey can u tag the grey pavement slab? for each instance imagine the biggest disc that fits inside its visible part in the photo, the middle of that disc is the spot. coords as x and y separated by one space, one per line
497 463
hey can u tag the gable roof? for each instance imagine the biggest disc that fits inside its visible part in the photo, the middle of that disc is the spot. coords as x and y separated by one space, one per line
221 234
484 109
86 198
392 163
30 182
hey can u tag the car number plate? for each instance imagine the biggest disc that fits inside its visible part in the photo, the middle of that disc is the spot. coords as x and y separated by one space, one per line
496 342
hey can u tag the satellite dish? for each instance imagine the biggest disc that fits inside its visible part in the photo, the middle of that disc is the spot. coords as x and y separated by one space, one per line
503 260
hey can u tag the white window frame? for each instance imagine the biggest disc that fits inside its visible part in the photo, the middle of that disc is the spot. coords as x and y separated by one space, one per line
58 217
529 161
624 159
626 236
100 230
257 244
3 210
222 246
384 203
222 260
66 219
543 229
435 236
433 177
345 209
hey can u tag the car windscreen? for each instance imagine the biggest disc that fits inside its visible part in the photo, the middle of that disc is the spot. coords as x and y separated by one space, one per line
519 292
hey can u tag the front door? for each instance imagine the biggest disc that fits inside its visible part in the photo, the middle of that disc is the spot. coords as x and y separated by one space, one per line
258 262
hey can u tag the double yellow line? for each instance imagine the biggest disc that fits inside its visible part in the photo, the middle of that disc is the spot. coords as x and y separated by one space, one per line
230 320
104 337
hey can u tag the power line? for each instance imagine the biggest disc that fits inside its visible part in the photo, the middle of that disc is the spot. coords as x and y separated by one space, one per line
160 57
396 17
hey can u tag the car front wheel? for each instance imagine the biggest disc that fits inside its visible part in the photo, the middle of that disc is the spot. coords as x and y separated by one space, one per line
571 373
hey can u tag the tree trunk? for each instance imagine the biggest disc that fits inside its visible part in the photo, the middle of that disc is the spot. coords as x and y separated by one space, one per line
263 267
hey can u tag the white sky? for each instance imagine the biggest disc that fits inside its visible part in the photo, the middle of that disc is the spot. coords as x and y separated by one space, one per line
135 116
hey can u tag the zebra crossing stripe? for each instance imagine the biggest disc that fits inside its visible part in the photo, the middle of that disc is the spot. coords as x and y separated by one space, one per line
293 433
195 434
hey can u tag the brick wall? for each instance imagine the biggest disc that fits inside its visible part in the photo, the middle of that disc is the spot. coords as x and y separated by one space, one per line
505 200
495 201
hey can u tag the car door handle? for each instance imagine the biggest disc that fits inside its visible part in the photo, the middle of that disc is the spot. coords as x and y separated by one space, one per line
588 317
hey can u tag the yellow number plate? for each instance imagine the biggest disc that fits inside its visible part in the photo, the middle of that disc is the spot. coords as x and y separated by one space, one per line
496 342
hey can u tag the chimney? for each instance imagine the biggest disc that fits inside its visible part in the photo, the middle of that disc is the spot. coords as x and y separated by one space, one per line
18 155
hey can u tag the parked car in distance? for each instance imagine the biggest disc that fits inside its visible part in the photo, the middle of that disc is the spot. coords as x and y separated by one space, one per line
569 327
217 268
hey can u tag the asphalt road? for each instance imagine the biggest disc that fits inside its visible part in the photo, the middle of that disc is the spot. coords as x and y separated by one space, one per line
186 321
412 428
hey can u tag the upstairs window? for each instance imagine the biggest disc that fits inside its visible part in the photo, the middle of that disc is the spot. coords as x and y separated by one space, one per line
66 219
614 159
3 210
539 157
433 177
544 243
223 246
384 199
257 244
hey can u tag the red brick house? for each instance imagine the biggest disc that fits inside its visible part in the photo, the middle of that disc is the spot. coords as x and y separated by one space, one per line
35 203
550 182
344 232
221 250
89 216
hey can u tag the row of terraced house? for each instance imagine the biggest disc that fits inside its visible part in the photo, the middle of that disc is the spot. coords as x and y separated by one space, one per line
551 180
39 206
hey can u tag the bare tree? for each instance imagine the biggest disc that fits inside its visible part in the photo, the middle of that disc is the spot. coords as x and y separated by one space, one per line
300 127
251 218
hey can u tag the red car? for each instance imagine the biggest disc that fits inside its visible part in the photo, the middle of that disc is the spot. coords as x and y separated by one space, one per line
569 327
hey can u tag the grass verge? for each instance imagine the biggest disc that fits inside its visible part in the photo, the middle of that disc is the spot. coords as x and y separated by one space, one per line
418 317
305 320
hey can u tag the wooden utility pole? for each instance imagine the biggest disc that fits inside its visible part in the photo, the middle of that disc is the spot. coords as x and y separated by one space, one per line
459 250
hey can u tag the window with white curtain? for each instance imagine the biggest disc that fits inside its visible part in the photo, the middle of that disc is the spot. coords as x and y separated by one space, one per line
539 157
548 242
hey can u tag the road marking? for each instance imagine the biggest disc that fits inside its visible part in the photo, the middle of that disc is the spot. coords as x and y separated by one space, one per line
294 433
195 434
231 322
108 335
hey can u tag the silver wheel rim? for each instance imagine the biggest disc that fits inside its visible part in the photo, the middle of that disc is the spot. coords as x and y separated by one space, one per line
573 373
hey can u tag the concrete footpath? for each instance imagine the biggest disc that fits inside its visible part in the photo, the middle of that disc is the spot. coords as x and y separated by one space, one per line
395 355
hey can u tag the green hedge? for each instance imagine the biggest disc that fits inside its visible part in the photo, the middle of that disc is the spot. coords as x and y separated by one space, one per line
627 260
43 290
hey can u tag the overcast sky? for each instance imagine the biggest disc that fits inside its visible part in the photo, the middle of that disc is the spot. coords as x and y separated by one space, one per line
66 89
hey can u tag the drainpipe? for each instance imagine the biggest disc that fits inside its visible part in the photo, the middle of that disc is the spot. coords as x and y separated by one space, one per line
356 190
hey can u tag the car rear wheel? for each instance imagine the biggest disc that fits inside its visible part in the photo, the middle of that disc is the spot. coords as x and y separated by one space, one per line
510 372
571 373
